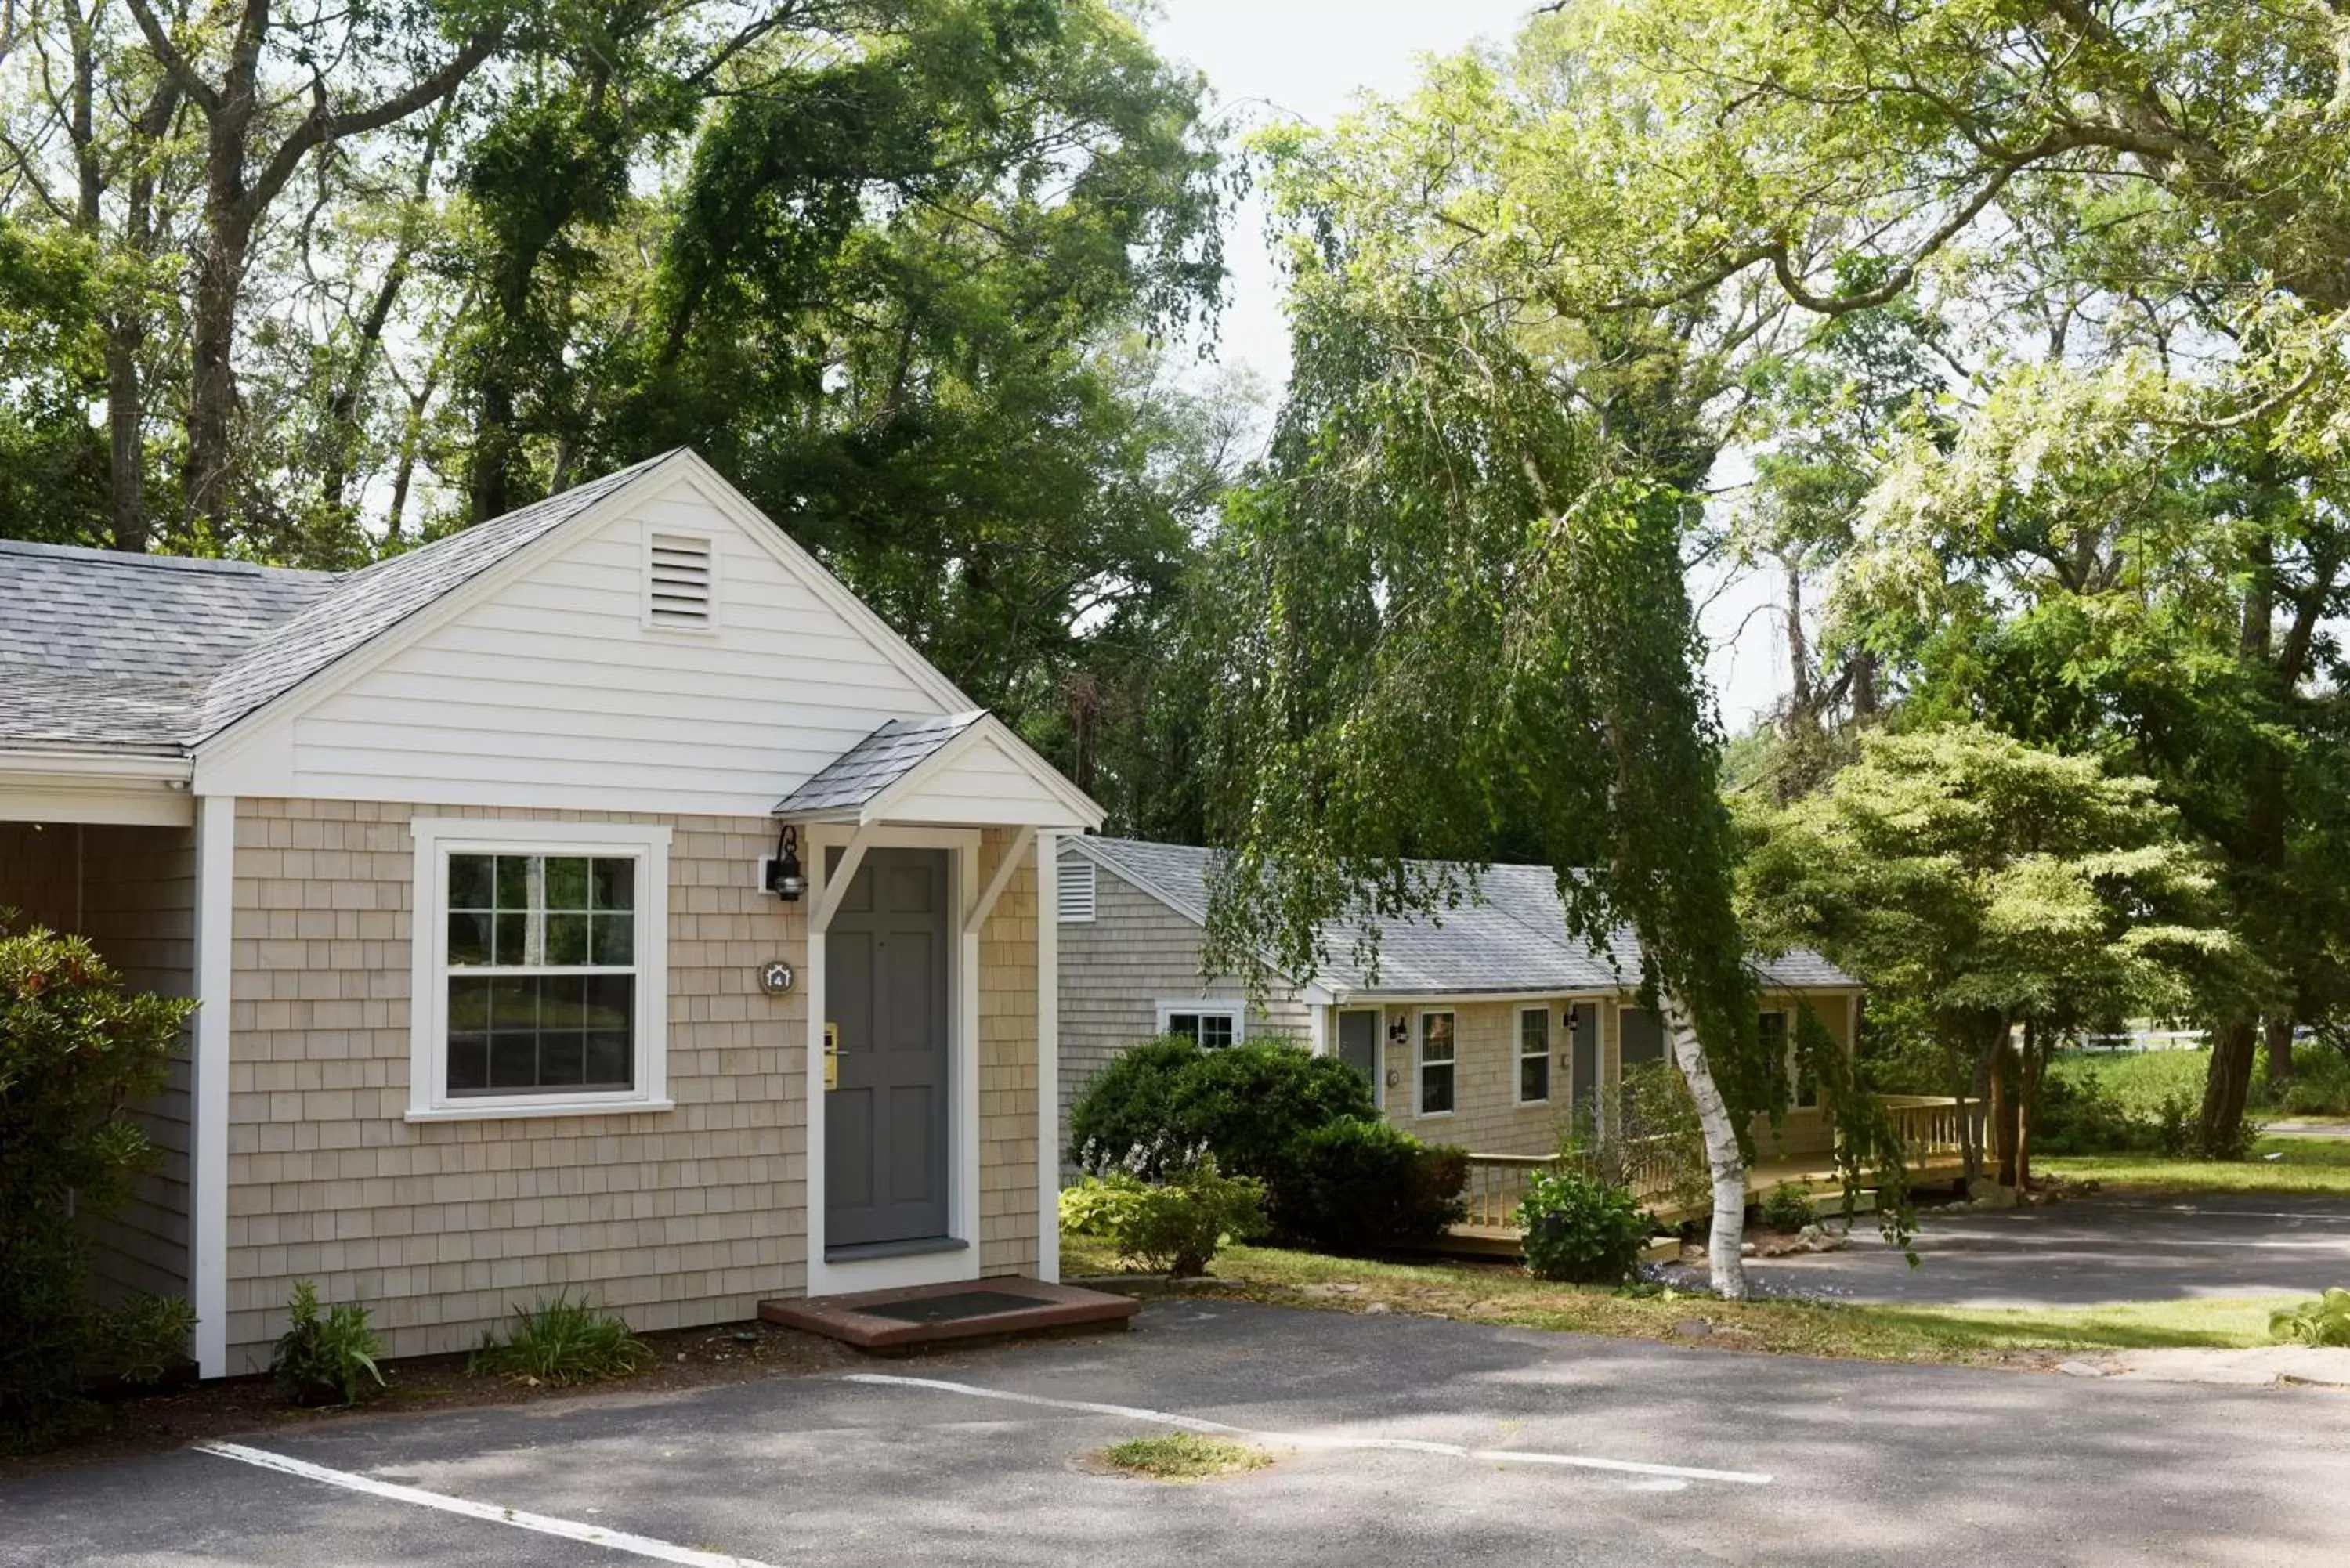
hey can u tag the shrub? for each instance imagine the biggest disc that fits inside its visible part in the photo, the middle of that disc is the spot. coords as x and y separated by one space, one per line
562 1341
74 1048
2320 1084
1787 1207
1363 1185
1247 1103
1175 1225
1580 1230
1093 1204
1651 1114
144 1337
2325 1321
2076 1113
326 1357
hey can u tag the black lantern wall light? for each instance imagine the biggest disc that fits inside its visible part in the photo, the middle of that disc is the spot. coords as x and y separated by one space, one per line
785 880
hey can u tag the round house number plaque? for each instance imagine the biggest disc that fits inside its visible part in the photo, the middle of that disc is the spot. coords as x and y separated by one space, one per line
777 978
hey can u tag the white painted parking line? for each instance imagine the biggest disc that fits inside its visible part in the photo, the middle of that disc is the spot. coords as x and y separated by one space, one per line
545 1524
1321 1439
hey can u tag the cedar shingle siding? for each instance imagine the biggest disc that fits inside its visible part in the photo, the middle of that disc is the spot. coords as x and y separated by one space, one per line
670 1218
1118 966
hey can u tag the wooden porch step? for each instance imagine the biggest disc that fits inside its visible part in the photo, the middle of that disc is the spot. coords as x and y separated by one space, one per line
908 1319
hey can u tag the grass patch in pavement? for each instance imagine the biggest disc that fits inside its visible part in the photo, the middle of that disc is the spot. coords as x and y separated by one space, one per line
1183 1457
2319 1166
1477 1292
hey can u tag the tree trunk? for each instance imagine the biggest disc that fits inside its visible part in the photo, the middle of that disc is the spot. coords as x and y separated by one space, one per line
2035 1064
2006 1108
1726 1263
2228 1083
211 382
2277 1029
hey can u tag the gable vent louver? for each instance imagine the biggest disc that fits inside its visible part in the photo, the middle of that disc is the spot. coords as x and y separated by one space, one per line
678 575
1077 892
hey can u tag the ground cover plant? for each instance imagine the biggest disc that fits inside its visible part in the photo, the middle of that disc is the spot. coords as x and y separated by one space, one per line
560 1340
326 1357
2322 1321
1183 1457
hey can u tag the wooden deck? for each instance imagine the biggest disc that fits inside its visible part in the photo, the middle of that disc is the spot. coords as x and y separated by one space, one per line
1497 1182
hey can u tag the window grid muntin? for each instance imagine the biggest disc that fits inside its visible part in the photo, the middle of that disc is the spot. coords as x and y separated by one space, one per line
586 904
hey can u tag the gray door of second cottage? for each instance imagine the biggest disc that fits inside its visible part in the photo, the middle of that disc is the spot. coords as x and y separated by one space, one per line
885 987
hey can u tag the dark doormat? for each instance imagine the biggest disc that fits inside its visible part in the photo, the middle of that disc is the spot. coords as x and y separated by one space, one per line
910 1318
947 1309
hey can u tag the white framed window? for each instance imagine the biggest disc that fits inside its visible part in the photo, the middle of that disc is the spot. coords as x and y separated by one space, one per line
1077 892
540 969
1437 1062
1533 1055
1214 1025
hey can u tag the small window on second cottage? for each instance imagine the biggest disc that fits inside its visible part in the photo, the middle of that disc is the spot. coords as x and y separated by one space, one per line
1213 1025
1436 1065
1533 1054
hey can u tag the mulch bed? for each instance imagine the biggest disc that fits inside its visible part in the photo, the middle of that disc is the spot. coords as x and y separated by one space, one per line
138 1422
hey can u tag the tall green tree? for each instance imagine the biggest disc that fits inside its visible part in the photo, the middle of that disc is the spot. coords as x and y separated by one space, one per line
1457 606
1996 890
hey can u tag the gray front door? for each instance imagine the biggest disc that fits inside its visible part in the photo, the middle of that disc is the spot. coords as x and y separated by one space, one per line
885 986
1358 1046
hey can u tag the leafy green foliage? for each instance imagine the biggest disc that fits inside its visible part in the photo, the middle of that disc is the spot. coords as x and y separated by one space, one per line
559 1340
1980 885
1092 1205
1579 1229
1365 1186
1174 1225
1248 1105
326 1357
1648 1110
1787 1207
75 1050
144 1337
2322 1321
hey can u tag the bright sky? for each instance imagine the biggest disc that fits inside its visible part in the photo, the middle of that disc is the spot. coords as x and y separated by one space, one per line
1310 59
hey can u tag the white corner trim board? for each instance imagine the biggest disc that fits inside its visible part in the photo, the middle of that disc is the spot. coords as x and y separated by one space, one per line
1048 1058
208 1165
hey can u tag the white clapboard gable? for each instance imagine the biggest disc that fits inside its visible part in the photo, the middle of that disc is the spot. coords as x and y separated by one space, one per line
654 656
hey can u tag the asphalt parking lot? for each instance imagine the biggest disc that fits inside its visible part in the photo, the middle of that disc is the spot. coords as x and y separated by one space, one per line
2090 1251
1401 1440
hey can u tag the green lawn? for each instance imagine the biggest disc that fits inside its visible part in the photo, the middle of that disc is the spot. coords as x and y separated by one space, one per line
1487 1293
2307 1165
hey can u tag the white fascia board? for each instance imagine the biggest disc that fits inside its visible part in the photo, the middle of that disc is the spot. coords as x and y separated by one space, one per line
114 767
409 629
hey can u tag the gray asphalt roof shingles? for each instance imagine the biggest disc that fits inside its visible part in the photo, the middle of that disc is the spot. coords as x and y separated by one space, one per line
1511 937
874 763
107 651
